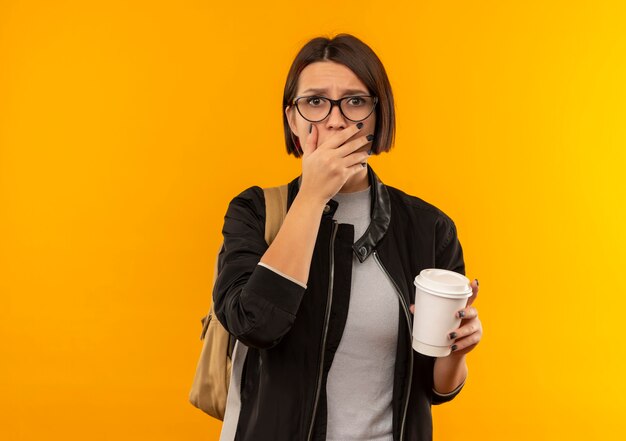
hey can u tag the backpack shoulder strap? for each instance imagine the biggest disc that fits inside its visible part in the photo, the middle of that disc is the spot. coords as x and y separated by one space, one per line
275 210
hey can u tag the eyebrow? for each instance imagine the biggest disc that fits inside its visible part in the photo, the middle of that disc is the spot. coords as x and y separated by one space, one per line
345 92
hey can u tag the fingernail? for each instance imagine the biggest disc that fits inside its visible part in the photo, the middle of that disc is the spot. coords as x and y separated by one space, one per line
310 128
359 126
452 335
476 282
370 137
461 314
453 347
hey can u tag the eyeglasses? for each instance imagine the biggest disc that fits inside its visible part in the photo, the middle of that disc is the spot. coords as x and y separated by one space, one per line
316 108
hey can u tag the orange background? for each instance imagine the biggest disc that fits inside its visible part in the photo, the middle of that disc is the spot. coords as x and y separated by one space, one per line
126 127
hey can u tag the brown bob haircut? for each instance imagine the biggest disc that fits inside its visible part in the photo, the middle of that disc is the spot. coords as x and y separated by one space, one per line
358 57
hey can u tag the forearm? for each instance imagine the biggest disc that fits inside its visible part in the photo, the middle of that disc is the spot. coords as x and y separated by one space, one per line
292 249
449 372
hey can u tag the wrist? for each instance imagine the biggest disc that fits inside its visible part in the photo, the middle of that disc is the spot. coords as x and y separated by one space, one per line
449 372
310 200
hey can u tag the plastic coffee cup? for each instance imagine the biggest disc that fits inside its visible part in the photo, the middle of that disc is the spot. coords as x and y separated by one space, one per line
439 294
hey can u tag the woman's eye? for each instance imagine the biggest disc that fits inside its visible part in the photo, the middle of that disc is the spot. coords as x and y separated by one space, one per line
314 101
356 101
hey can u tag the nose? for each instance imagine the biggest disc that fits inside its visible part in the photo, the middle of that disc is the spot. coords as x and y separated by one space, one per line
336 119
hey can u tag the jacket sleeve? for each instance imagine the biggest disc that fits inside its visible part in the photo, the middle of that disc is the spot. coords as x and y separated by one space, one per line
449 255
438 398
448 252
254 303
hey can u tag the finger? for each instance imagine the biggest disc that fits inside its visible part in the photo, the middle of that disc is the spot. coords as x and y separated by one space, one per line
341 137
355 169
467 313
311 141
466 338
412 308
351 146
471 327
474 285
466 344
356 158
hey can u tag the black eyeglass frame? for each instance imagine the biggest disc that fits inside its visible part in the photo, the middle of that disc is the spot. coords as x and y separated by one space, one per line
337 103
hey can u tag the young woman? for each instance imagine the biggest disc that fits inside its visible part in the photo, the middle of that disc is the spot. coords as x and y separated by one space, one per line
326 310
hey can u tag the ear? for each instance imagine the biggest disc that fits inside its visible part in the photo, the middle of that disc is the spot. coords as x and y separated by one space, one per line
291 118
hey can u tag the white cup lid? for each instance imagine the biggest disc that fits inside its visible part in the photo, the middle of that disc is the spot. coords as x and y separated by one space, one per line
444 283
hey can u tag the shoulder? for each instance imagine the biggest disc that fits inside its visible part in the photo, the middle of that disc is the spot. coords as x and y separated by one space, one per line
248 206
413 206
423 217
252 195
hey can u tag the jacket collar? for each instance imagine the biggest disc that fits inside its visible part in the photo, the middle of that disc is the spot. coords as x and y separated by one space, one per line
380 215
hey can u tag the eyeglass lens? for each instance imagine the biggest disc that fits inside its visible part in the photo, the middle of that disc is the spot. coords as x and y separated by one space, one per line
316 108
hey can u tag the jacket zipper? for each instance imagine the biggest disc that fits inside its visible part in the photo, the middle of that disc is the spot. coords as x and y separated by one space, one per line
408 321
329 303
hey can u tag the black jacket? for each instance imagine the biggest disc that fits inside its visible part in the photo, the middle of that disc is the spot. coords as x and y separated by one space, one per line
293 333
